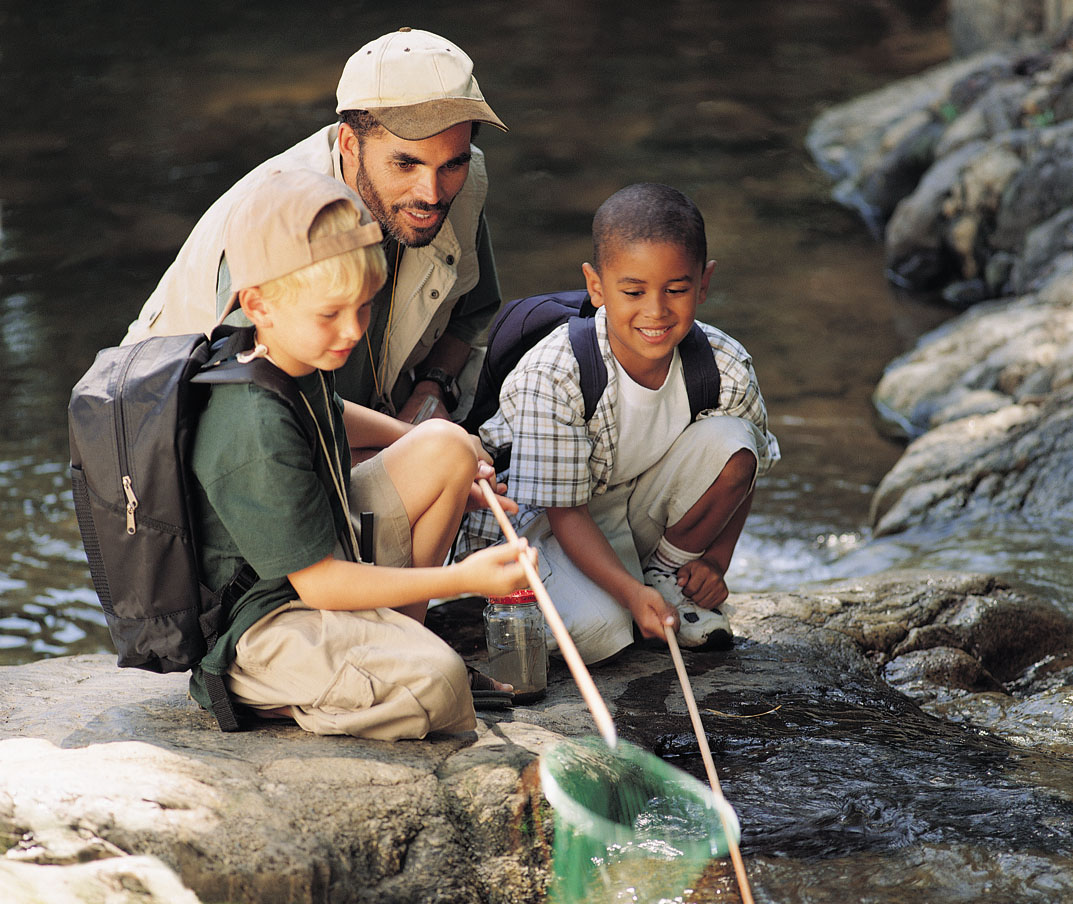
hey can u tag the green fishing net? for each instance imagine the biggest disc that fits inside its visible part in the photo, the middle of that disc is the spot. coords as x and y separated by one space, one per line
629 827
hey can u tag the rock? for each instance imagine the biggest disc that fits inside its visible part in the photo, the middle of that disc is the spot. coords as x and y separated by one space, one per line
114 782
997 110
896 613
977 24
268 815
1014 461
877 146
951 218
930 226
118 880
1048 249
1045 717
956 166
945 667
996 354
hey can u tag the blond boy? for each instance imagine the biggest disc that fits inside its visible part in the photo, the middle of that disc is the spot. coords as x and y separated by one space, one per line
337 645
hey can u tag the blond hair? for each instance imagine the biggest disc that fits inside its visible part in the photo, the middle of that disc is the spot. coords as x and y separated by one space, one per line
353 274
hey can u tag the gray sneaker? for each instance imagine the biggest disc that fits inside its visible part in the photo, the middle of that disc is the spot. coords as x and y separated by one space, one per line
700 629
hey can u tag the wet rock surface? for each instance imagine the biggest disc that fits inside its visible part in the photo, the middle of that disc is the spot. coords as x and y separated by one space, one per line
821 720
956 166
966 171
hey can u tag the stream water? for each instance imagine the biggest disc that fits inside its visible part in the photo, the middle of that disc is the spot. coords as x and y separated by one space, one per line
122 122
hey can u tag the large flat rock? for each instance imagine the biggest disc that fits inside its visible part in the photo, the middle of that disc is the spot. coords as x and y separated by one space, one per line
115 787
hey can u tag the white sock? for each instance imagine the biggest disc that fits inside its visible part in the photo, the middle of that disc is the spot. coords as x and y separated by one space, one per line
668 558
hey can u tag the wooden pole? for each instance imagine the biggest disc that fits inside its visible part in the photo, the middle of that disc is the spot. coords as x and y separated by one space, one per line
709 763
600 713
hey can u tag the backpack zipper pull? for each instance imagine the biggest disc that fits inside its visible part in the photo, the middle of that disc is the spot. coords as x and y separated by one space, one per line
132 504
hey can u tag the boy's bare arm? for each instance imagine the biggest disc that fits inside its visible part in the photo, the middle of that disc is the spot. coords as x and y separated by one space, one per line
336 584
587 547
370 429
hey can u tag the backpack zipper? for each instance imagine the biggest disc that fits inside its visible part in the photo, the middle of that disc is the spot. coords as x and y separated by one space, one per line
132 504
121 449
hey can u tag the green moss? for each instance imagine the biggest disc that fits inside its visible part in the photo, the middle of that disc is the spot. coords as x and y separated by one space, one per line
949 111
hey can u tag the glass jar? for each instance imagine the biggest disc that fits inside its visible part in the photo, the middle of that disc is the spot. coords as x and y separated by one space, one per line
517 647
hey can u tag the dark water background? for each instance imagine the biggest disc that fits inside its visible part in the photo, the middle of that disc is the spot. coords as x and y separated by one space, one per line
121 122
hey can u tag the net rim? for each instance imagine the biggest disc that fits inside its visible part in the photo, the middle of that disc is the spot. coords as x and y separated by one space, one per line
607 831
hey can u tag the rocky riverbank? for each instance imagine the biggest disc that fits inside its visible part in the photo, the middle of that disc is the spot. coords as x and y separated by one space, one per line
114 786
966 171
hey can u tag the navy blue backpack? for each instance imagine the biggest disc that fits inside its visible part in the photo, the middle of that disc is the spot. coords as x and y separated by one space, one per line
522 323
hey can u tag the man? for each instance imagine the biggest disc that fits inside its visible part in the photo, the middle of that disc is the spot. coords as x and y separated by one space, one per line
409 106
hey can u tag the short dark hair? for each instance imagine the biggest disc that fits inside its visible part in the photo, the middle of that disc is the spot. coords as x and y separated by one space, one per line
364 123
647 212
361 122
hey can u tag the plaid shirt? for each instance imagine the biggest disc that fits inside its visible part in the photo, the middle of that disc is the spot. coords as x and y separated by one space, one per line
558 459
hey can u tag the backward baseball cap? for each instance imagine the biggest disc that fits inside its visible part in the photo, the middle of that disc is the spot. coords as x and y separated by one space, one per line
415 83
267 233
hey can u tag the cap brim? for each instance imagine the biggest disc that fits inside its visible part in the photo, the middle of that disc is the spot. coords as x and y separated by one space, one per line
229 308
418 121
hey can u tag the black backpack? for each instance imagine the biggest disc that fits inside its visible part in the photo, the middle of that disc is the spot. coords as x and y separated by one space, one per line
132 420
522 323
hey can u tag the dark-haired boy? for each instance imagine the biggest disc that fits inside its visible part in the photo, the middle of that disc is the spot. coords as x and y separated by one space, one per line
637 511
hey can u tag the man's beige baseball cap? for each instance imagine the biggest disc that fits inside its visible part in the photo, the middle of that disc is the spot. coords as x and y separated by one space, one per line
267 234
415 83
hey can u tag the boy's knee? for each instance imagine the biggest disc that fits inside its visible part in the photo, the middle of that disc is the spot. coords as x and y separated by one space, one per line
600 635
446 440
739 472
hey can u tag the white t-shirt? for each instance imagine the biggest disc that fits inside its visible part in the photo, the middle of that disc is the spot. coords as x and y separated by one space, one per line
649 420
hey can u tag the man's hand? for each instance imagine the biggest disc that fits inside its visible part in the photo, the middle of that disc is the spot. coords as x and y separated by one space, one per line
703 583
424 403
652 612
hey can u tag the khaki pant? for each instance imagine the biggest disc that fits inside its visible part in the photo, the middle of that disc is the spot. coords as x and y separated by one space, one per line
372 674
633 517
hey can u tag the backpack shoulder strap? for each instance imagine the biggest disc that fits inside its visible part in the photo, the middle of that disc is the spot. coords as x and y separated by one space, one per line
701 371
590 361
223 366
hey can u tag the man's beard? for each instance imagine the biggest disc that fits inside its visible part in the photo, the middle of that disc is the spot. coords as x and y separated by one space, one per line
389 219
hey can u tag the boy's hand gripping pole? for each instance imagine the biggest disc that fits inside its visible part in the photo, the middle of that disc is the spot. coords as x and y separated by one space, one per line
589 693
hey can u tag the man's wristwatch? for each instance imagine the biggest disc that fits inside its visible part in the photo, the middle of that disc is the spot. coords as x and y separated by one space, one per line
448 384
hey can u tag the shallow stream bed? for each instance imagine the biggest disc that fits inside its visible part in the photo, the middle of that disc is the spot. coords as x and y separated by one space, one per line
122 124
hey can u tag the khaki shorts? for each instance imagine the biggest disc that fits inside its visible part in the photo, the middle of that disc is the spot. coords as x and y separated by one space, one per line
371 490
372 674
633 517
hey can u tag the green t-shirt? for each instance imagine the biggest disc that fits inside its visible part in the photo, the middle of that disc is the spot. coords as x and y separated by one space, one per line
262 495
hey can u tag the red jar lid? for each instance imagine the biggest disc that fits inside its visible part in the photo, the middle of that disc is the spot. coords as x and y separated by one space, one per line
513 599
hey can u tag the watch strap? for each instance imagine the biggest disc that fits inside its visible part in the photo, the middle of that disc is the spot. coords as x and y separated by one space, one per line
447 383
